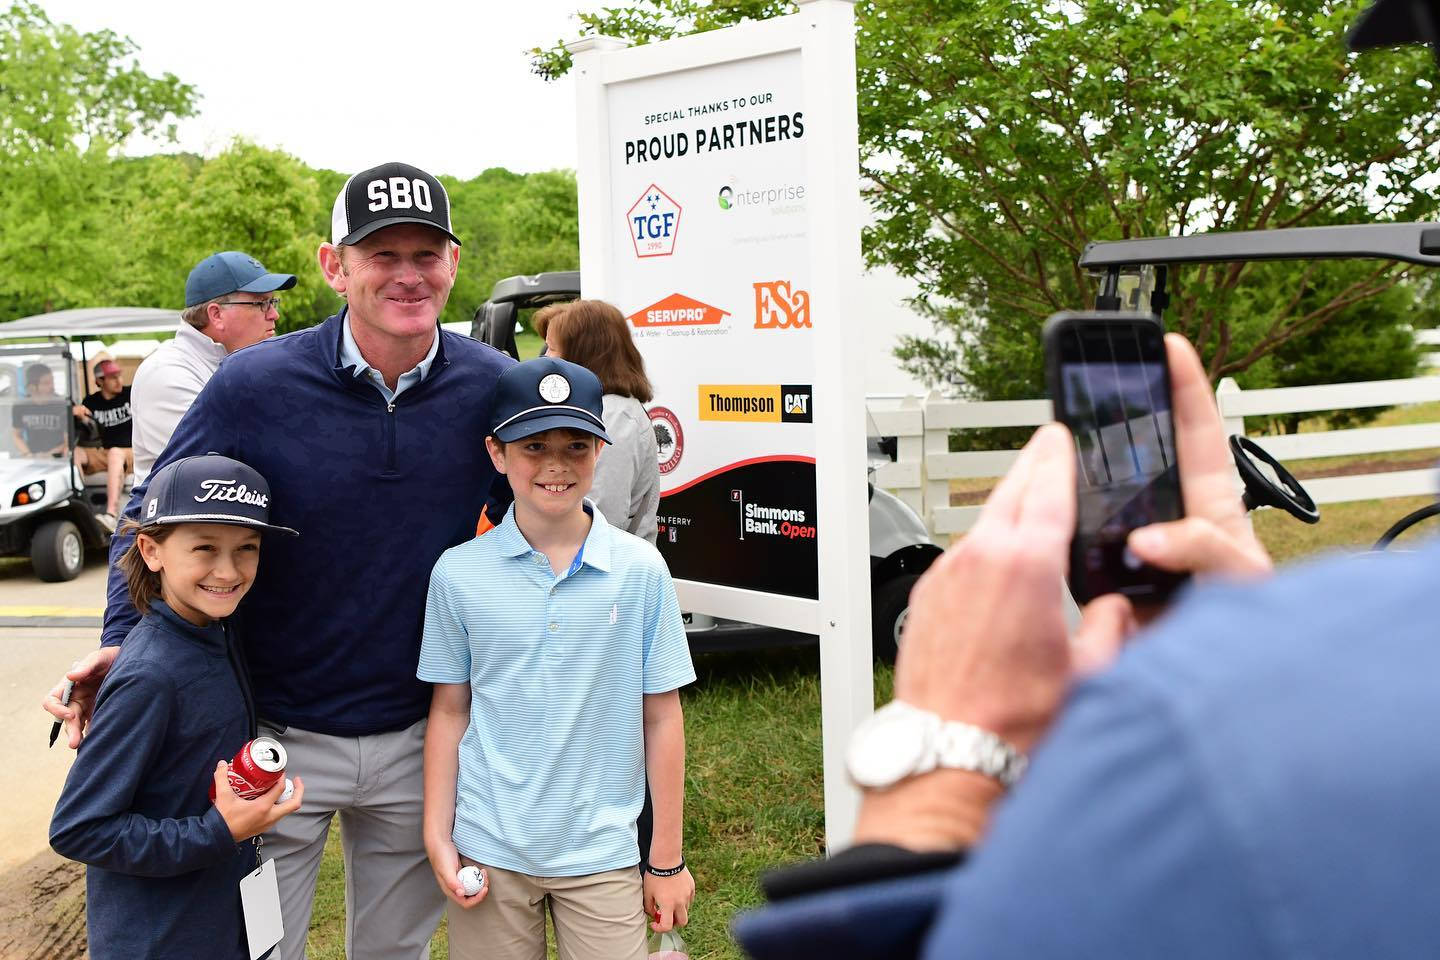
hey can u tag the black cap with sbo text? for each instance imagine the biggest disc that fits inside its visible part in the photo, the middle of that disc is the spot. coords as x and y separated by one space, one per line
384 196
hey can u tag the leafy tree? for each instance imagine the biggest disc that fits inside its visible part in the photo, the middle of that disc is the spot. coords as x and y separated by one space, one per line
68 102
998 138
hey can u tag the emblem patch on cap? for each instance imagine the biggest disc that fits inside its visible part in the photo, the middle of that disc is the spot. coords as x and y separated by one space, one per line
554 388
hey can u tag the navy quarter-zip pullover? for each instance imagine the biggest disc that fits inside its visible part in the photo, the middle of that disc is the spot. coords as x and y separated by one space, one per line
378 490
164 873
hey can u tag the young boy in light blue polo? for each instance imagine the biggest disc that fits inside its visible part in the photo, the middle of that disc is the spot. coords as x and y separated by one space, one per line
557 651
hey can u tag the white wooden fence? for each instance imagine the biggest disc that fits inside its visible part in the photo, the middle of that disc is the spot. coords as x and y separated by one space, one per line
925 466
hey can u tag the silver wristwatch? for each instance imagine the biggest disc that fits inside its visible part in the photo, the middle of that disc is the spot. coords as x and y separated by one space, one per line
901 741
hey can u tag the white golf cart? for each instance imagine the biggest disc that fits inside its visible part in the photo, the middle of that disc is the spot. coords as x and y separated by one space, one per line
48 507
900 546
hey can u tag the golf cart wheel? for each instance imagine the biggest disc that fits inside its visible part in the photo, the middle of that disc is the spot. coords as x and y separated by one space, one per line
889 607
57 551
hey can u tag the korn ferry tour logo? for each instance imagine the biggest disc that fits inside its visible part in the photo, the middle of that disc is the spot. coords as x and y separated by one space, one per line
654 221
779 307
678 310
669 438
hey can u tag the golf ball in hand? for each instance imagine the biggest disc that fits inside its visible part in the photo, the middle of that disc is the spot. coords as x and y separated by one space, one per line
287 793
472 880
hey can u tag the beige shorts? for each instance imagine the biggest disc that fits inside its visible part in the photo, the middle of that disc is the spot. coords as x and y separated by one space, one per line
599 916
97 459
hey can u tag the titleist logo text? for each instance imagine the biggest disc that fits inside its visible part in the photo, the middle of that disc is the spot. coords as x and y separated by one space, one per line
229 490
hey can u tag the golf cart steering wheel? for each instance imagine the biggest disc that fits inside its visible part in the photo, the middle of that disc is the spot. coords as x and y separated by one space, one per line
1284 491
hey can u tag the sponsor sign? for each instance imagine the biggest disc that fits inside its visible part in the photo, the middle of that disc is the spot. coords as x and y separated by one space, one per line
723 316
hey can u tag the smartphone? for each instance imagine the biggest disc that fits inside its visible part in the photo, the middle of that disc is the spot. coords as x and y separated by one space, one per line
1109 382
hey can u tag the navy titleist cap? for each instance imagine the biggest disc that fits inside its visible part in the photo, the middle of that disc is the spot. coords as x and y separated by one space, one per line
231 272
546 394
1390 23
386 195
209 489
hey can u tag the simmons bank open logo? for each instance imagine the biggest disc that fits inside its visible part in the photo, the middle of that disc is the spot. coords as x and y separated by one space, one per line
669 438
654 221
678 310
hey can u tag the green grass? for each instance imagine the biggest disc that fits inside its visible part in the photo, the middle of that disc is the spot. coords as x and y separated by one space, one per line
753 796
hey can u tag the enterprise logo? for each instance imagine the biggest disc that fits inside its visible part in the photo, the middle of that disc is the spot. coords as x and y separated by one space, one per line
779 198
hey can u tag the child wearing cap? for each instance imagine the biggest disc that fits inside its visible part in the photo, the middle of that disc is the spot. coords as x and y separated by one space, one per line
556 650
165 863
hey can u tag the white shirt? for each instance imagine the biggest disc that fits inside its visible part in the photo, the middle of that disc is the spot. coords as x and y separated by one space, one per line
351 357
165 385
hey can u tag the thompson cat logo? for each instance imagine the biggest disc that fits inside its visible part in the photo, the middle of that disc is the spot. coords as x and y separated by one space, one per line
756 403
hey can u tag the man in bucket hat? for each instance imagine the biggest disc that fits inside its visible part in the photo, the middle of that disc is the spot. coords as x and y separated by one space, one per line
230 303
369 429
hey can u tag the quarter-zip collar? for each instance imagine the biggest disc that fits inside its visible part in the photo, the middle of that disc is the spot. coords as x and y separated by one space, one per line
350 361
216 638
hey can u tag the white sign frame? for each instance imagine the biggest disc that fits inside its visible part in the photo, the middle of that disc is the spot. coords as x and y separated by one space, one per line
823 31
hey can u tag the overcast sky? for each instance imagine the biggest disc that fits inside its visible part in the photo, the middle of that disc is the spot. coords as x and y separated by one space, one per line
346 84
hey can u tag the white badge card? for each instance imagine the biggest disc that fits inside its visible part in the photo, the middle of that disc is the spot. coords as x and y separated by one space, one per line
260 900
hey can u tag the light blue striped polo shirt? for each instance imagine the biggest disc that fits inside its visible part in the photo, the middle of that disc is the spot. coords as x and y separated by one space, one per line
552 764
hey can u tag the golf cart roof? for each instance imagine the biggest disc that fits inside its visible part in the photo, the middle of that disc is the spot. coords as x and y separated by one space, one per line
91 322
1417 243
537 290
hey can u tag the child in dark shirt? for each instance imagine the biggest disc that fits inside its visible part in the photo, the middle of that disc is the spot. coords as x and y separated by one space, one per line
165 863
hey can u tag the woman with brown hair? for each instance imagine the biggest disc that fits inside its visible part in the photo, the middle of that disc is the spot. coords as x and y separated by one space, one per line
593 334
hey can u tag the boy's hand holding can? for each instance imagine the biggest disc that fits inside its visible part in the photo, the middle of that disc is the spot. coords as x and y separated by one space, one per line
246 817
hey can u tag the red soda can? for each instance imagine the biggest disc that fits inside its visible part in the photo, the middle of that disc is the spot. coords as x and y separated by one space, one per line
256 768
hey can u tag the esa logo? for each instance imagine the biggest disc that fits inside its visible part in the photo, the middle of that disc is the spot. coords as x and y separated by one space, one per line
399 193
778 307
654 221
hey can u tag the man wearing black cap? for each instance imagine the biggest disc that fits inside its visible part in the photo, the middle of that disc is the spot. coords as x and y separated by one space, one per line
370 429
230 303
1254 776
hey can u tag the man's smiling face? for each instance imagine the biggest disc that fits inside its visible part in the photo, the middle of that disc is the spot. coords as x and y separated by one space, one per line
397 280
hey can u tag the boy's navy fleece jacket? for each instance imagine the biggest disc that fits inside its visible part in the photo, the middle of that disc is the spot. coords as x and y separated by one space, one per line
164 877
378 491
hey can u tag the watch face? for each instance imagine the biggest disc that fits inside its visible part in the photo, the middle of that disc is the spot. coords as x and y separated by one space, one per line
888 747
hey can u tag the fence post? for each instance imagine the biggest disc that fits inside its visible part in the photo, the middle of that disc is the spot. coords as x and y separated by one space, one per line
912 450
937 492
1228 388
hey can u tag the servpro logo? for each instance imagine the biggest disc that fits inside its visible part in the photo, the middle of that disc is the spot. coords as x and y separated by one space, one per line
654 222
755 403
678 310
779 307
669 439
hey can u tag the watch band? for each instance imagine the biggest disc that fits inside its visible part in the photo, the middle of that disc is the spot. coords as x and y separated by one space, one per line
963 746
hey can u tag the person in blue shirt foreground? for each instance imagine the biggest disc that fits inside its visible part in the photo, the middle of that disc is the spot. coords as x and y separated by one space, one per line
557 650
1254 776
164 862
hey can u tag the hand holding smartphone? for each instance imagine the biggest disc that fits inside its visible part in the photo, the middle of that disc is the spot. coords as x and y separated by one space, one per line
1109 383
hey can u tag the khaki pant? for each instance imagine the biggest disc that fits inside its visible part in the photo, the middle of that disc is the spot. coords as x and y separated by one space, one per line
597 917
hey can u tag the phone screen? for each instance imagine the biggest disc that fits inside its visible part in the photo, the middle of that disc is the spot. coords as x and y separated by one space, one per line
1114 388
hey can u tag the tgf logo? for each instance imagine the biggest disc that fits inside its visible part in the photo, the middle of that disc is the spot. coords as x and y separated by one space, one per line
778 307
654 220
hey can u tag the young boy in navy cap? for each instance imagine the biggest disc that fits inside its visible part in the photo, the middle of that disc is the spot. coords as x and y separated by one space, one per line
165 863
556 649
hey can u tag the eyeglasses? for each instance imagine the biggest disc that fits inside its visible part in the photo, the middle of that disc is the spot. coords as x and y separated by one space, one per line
266 305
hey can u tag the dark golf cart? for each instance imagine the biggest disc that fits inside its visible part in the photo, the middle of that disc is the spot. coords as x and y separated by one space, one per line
900 546
1133 277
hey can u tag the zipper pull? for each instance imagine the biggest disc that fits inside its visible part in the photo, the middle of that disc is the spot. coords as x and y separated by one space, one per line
390 407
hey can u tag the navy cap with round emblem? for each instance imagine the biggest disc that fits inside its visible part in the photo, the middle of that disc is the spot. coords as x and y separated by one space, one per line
547 394
384 196
209 489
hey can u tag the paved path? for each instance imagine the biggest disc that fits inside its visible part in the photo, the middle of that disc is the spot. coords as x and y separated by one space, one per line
32 658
